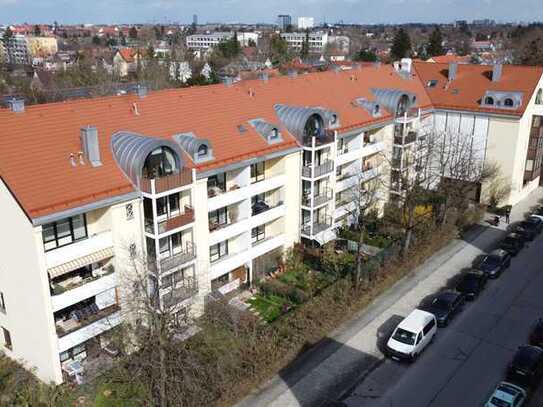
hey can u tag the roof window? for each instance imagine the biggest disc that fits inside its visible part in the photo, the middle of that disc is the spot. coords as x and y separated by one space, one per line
432 83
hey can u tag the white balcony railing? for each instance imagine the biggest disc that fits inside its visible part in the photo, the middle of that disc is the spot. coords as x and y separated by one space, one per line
83 292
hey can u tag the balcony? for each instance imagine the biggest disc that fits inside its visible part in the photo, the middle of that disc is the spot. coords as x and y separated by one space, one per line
326 137
178 259
318 199
370 173
319 226
183 290
261 218
409 139
409 116
372 148
175 222
84 317
167 183
65 295
82 331
310 171
95 246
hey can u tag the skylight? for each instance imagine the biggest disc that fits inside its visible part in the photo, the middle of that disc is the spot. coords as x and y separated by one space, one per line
431 83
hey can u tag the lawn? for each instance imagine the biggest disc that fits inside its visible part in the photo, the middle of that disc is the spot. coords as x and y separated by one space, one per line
269 307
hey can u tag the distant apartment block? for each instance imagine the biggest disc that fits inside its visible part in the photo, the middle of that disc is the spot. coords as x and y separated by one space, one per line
16 50
284 21
211 185
206 41
306 23
317 40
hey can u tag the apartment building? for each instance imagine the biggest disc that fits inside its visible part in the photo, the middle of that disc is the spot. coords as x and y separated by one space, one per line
206 41
210 185
317 40
16 50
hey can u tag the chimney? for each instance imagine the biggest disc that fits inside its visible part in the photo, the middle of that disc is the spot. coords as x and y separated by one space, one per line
141 91
263 76
406 64
228 81
497 72
396 66
90 146
453 70
16 105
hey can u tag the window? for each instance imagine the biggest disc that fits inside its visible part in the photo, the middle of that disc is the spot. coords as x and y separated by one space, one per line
161 162
489 100
7 339
428 327
529 165
257 172
508 102
333 120
173 201
219 217
274 134
132 250
2 303
431 83
218 251
164 245
129 212
539 97
258 234
64 232
72 353
313 126
162 206
217 181
419 338
202 151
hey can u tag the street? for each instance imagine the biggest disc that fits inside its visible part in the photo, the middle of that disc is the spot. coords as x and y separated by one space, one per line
469 357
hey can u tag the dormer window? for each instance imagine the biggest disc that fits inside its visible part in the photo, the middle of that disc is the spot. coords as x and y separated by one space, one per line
432 83
508 102
274 134
161 162
489 100
539 97
376 110
333 120
314 126
202 151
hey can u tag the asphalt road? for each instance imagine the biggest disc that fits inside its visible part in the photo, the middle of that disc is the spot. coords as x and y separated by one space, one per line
468 357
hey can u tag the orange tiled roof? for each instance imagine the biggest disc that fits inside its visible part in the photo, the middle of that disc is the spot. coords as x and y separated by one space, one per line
471 83
35 145
445 59
128 54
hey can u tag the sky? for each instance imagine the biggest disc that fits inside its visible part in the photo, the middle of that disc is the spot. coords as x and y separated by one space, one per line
331 11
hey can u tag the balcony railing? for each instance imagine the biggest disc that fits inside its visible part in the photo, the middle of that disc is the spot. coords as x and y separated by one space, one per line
411 137
325 137
173 222
81 318
75 282
411 114
320 225
166 183
178 259
318 199
319 170
183 290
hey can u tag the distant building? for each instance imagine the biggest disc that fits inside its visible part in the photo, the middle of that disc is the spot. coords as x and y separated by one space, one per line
42 46
284 21
125 61
206 41
317 41
306 23
484 22
16 50
460 23
195 19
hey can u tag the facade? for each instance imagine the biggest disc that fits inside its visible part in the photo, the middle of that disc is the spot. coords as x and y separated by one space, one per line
41 47
125 61
317 41
16 50
210 185
205 41
306 23
284 21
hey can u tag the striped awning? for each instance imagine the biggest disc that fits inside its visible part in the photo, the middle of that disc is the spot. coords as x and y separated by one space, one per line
80 262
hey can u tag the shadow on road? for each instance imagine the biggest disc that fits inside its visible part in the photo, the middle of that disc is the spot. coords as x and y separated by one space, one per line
385 331
327 381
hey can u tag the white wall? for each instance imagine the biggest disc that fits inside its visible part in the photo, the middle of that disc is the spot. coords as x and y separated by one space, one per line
24 282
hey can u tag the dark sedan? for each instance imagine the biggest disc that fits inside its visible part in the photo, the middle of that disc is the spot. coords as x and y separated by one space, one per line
534 222
527 366
444 306
495 263
526 230
471 284
513 243
536 336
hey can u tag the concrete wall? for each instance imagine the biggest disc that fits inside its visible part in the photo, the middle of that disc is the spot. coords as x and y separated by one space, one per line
25 284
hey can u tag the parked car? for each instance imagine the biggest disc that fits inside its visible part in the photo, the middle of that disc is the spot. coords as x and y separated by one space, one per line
536 336
526 368
507 395
513 243
471 284
412 335
494 263
528 233
259 207
534 222
445 305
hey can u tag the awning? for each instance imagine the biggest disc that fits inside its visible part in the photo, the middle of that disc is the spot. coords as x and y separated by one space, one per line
80 262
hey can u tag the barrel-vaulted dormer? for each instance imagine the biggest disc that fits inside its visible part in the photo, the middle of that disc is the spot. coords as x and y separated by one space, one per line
269 131
307 122
146 157
396 101
199 150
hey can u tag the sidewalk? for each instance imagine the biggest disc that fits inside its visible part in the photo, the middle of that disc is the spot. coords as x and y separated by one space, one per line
351 351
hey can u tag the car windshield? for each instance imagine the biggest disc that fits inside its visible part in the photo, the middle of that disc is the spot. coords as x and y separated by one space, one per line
403 336
491 261
499 402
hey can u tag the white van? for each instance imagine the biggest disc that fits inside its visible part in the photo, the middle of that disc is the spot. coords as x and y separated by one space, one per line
412 335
